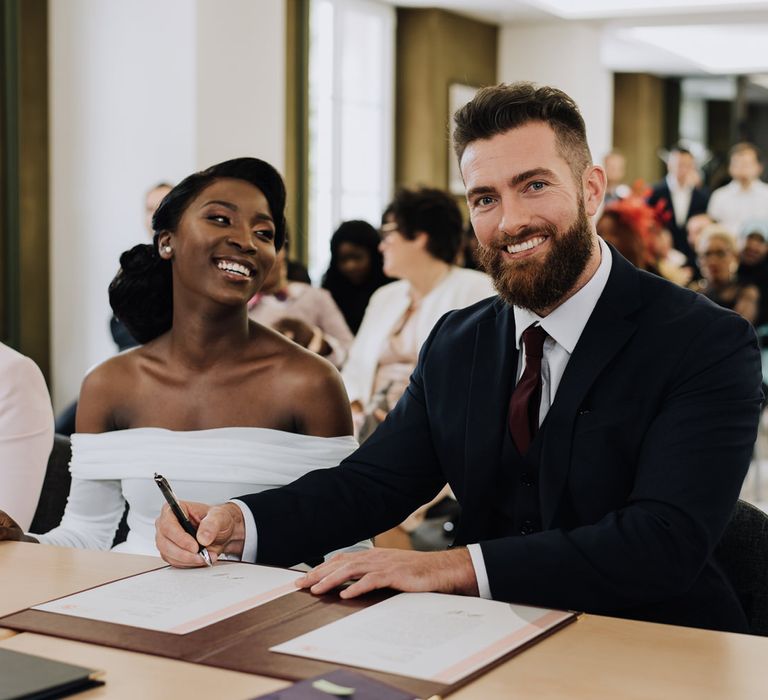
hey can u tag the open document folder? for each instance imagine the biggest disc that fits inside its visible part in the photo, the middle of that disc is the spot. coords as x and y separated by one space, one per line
237 616
432 636
178 600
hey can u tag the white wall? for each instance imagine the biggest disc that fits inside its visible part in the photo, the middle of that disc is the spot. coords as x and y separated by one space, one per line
143 91
241 80
566 56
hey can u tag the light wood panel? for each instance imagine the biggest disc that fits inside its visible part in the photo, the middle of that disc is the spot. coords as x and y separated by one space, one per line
24 206
34 291
434 49
639 124
297 125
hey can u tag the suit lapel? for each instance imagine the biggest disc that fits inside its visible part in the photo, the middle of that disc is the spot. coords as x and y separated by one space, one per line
493 364
606 332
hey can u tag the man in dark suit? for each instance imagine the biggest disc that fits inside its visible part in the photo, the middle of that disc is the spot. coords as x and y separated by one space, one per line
595 422
681 198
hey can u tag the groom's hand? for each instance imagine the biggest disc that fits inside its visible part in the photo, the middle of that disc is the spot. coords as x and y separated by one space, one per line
442 572
219 529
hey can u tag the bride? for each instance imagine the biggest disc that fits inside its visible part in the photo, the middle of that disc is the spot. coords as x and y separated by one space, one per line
218 404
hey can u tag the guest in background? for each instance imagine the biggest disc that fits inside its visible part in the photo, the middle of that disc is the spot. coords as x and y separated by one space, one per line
746 197
634 228
356 270
718 260
420 236
295 271
680 195
305 314
213 401
615 165
696 224
152 199
620 225
26 434
753 264
668 261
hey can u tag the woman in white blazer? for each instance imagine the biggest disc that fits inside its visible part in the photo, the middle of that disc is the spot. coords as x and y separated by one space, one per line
421 235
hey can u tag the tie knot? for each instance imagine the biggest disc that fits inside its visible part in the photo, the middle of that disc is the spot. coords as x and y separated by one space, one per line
533 340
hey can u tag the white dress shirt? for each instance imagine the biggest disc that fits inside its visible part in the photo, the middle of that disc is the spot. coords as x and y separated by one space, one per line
681 199
564 327
733 206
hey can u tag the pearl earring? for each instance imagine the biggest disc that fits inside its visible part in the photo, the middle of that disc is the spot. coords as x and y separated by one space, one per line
167 249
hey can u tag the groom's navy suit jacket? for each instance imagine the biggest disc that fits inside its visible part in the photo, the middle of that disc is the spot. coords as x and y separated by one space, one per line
646 445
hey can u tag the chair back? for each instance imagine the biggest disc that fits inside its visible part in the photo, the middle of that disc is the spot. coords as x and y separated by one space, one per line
53 496
743 555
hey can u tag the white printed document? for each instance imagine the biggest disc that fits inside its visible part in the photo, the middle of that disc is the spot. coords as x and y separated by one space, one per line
432 636
179 600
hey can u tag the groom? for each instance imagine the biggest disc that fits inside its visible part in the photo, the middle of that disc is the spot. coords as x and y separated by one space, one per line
594 422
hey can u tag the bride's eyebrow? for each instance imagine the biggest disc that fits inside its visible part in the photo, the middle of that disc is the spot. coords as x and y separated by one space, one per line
228 205
234 207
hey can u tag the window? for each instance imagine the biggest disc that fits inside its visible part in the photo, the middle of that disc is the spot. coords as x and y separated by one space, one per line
351 85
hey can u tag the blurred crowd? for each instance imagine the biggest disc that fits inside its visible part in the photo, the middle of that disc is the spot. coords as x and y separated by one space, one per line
713 242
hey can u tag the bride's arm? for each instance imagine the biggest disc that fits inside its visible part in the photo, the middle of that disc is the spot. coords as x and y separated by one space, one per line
94 506
93 512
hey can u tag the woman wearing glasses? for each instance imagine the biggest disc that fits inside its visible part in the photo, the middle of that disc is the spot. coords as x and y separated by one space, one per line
719 262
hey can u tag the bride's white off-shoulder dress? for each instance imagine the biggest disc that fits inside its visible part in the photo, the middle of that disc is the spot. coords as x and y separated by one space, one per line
209 466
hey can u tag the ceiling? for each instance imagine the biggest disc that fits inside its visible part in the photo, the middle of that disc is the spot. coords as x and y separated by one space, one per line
664 37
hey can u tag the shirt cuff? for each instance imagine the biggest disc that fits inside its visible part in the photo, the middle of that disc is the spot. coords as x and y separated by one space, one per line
251 536
478 562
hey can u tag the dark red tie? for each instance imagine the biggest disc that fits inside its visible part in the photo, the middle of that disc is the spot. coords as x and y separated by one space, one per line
524 404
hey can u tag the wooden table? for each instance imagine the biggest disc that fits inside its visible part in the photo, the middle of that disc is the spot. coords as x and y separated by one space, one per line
130 675
596 657
35 573
605 657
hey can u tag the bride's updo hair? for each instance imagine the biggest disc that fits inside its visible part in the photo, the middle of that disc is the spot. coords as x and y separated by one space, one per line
141 294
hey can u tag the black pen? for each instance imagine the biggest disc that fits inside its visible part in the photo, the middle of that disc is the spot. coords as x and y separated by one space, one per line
181 516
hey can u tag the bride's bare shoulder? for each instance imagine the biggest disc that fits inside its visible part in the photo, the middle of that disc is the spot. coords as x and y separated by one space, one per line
108 386
124 366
